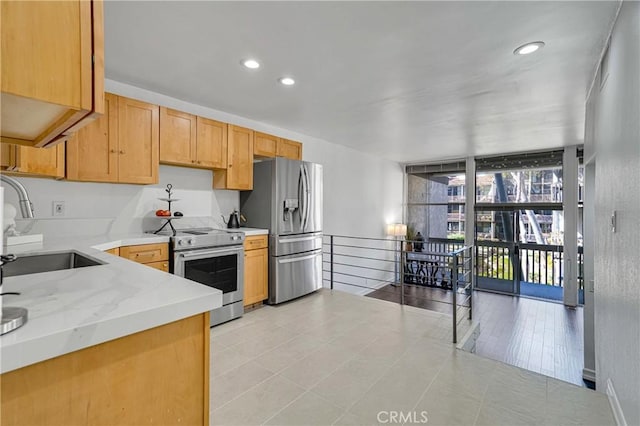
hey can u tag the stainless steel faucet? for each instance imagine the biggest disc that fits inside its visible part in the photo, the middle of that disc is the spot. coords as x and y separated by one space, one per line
26 207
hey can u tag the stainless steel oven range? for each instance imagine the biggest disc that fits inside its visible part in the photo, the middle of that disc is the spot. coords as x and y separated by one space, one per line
214 258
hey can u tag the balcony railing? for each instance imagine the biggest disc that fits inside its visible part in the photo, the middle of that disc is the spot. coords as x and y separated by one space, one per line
540 263
370 265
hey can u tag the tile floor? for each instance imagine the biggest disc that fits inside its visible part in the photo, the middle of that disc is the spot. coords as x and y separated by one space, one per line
336 358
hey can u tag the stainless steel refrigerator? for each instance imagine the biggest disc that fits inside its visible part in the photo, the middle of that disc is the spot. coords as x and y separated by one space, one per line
287 199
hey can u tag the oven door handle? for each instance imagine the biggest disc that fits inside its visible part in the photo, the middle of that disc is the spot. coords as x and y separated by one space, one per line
205 253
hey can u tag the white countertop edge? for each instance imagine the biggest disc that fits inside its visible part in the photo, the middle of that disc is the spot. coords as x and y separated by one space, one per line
253 231
132 241
71 340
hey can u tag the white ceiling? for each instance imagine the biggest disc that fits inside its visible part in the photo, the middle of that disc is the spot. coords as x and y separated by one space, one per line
408 81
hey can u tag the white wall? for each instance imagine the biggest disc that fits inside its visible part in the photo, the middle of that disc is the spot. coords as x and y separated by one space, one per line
616 136
99 208
361 192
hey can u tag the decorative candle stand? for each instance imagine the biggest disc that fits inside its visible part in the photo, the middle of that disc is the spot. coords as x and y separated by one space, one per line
168 219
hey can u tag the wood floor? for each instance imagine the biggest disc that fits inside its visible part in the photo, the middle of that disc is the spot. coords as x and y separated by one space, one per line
433 299
543 337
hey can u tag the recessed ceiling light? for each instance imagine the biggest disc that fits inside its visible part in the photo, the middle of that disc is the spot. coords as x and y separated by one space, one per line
525 49
287 81
251 63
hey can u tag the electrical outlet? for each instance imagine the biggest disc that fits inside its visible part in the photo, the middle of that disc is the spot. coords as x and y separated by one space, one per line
58 208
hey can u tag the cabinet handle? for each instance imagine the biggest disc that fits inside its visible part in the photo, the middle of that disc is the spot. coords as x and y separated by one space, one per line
113 151
193 161
230 165
121 151
199 162
146 254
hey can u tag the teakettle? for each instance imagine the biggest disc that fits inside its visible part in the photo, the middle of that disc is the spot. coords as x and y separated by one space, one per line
234 220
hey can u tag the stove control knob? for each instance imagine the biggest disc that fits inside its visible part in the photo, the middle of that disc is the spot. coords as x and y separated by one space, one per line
190 241
180 242
234 237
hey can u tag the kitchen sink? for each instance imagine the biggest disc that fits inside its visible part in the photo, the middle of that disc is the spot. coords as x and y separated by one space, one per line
37 263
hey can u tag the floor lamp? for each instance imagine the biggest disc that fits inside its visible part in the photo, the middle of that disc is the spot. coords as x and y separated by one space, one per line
398 231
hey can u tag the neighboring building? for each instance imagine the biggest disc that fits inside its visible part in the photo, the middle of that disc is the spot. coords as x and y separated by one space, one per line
427 204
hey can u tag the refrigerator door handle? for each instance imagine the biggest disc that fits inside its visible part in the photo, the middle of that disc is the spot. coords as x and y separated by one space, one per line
303 200
298 239
300 259
307 198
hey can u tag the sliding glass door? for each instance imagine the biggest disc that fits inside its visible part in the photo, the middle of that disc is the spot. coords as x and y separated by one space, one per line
497 251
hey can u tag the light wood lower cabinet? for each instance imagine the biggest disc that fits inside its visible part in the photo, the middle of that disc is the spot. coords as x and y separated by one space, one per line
121 147
153 255
157 376
35 162
115 251
256 269
162 266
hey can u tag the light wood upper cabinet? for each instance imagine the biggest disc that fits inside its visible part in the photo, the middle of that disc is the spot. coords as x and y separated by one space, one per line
239 172
138 141
265 145
52 69
211 144
92 152
122 147
36 162
5 156
289 149
188 140
177 137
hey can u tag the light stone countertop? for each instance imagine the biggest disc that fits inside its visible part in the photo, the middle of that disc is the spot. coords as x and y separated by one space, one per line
247 231
253 231
73 309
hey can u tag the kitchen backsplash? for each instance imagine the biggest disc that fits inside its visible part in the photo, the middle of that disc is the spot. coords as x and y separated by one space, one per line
99 208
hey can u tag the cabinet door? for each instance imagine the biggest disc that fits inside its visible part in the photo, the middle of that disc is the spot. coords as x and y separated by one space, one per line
256 276
138 141
211 144
92 152
146 253
52 68
240 158
7 158
289 149
177 137
265 145
40 161
162 266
